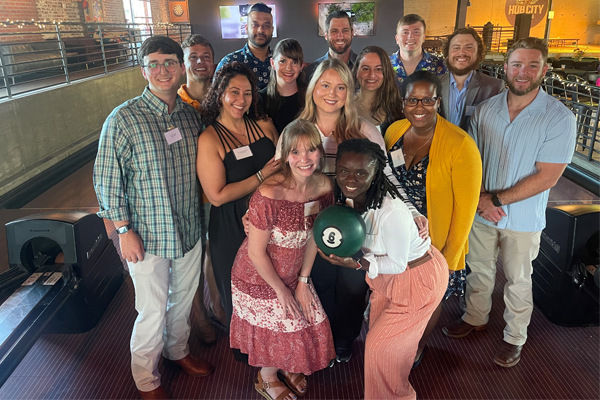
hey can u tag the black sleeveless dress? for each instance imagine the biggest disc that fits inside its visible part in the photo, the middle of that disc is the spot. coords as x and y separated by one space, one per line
225 229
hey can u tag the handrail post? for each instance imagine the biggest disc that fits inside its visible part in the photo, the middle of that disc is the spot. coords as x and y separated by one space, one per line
594 133
102 47
63 53
5 74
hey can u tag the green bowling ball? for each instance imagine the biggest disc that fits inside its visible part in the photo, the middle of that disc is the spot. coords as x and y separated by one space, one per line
339 230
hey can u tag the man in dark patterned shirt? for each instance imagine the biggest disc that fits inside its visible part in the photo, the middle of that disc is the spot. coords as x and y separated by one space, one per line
256 54
410 57
146 184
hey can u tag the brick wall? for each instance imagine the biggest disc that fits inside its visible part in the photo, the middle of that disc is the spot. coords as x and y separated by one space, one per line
160 11
16 10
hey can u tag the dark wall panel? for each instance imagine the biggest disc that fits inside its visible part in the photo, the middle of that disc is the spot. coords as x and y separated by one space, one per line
296 19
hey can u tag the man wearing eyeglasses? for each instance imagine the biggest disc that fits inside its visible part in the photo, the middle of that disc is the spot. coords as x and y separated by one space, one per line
410 57
145 181
256 54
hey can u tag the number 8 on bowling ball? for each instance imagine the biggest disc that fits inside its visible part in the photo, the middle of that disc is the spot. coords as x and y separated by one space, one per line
339 230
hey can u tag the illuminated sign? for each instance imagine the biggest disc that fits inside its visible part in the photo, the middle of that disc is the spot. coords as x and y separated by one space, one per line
537 8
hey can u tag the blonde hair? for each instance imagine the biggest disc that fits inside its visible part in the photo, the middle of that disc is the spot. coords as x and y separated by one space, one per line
348 123
299 130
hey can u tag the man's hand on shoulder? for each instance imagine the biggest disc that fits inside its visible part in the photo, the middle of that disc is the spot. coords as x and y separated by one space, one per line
132 248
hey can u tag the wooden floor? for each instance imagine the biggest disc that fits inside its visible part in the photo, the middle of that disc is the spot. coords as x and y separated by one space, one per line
557 363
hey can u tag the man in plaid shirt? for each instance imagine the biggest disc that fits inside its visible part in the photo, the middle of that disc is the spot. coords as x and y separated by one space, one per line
146 184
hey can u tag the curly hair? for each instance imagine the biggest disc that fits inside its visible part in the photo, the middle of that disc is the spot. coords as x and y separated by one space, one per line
466 31
387 99
381 185
212 104
348 124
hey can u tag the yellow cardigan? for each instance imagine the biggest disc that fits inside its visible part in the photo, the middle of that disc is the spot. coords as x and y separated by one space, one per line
453 184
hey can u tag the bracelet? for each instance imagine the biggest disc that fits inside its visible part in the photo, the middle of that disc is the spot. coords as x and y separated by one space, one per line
260 177
359 264
303 279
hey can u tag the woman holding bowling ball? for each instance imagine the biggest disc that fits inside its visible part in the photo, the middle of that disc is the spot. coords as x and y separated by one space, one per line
278 320
330 106
406 274
439 167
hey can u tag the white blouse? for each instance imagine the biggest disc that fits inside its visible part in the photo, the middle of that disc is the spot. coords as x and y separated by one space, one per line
392 238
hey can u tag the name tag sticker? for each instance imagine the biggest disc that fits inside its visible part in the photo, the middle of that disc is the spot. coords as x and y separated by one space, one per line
397 158
311 208
242 152
173 136
470 110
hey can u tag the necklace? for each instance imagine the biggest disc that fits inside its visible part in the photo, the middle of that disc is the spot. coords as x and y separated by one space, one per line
416 151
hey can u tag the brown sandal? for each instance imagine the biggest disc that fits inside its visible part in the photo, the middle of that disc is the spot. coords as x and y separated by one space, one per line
262 386
287 377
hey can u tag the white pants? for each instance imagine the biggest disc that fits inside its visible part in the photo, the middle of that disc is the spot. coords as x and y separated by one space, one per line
518 250
164 290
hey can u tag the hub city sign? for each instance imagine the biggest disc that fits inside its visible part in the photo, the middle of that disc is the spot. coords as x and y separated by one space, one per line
537 8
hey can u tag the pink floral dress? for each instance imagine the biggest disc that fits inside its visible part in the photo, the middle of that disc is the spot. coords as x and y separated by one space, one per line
259 327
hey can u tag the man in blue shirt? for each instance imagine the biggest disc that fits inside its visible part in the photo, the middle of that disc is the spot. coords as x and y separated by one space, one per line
338 33
463 87
410 57
256 54
526 139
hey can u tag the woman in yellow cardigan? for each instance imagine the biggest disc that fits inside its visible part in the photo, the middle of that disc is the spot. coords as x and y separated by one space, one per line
439 167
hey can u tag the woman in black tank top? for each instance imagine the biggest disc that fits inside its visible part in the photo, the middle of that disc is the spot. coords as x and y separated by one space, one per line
235 153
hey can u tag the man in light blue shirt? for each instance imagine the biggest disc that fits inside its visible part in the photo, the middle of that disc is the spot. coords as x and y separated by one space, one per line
526 139
463 87
457 98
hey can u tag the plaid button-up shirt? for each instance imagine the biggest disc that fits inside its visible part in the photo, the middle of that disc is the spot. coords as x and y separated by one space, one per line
139 177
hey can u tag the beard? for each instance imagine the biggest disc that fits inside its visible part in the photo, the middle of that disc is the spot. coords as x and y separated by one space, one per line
532 86
461 71
255 43
338 50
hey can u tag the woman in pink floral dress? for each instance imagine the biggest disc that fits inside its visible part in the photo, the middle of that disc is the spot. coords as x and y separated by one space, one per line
277 318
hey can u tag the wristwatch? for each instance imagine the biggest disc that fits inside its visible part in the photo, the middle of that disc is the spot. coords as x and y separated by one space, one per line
303 279
123 229
496 200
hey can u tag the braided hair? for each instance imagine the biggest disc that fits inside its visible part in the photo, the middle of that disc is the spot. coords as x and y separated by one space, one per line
381 185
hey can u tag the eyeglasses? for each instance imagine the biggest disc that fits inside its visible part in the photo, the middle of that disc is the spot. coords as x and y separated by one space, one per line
154 68
427 101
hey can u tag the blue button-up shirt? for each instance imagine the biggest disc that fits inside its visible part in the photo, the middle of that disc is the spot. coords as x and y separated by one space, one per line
544 131
262 69
457 99
140 177
429 62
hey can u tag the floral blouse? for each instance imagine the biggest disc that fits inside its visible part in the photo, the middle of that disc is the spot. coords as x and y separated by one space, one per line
413 180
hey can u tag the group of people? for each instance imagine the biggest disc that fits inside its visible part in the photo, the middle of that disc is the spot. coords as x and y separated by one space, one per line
222 178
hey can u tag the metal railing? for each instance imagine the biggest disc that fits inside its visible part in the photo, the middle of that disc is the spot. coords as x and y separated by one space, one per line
63 52
581 97
501 36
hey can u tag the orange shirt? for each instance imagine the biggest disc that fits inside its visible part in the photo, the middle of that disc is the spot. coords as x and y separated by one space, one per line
182 92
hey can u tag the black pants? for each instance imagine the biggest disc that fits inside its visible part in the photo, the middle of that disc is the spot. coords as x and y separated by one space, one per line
343 293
